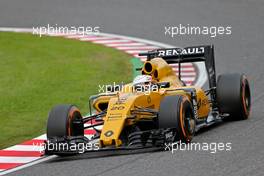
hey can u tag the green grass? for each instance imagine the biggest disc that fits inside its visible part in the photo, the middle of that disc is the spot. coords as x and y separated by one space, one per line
38 73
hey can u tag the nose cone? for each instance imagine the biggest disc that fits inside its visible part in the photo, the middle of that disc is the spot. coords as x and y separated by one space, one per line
117 112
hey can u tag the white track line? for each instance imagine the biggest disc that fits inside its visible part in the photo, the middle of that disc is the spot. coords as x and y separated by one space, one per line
125 44
94 39
135 51
15 159
136 47
111 41
187 74
35 148
188 78
184 69
42 137
43 159
98 127
28 164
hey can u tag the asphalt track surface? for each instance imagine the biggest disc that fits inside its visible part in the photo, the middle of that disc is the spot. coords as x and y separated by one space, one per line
242 51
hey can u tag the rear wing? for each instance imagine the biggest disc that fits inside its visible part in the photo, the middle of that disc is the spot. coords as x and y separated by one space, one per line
204 53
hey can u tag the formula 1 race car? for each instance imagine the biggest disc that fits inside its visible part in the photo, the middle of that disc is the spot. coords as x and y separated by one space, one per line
156 108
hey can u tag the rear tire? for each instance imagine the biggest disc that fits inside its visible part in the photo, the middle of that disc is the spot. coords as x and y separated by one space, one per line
233 96
177 112
60 122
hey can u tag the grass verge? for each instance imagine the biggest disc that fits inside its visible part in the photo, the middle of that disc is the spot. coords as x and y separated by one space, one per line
38 73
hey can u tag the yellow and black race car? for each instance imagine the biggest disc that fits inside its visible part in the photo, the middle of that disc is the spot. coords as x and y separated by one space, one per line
156 108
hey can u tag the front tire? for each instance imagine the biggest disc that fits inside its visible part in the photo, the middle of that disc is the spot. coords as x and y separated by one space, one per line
176 112
61 122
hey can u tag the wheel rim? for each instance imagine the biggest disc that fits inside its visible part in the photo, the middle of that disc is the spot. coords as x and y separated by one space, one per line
188 126
189 122
246 97
73 129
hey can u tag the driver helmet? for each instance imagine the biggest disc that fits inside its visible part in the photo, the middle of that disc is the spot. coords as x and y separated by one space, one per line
142 80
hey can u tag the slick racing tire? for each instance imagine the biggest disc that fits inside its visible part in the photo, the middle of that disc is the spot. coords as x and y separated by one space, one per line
233 96
176 112
61 122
